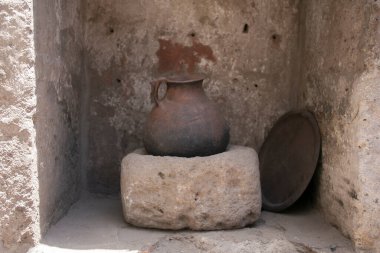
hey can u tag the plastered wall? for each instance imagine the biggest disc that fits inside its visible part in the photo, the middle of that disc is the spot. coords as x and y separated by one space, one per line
59 75
247 48
340 74
41 78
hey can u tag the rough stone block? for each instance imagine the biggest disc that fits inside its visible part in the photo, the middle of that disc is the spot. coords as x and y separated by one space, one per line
221 191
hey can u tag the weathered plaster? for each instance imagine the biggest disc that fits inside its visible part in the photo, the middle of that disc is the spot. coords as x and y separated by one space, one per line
245 47
367 221
40 72
340 72
59 71
19 216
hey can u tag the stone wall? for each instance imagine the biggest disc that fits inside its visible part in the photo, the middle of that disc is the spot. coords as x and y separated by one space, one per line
41 76
340 74
19 216
59 72
247 48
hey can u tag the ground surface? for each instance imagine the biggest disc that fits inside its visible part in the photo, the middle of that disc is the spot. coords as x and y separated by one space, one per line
96 225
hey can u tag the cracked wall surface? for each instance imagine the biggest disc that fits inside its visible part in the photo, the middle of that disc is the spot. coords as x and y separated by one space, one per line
246 48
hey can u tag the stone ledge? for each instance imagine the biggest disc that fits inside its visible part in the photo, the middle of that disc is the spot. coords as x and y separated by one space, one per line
221 191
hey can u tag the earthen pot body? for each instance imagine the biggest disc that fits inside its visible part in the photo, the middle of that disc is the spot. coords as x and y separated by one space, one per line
185 122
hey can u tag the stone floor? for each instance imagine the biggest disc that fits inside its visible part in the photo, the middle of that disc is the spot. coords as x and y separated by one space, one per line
95 224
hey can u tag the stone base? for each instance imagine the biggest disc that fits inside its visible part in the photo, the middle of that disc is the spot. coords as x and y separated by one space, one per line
221 191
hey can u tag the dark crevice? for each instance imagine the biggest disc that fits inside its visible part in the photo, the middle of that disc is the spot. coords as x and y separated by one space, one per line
245 28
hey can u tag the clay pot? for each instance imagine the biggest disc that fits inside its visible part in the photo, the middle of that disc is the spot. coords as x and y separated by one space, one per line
184 122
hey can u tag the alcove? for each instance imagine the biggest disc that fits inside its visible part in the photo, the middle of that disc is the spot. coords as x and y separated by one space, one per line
93 62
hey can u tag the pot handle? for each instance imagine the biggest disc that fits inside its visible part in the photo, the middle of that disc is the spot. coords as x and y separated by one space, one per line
155 86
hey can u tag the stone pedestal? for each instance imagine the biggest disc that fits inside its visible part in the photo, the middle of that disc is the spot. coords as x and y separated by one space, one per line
221 191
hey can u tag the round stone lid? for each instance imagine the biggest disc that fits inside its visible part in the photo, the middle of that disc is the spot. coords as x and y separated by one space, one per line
288 159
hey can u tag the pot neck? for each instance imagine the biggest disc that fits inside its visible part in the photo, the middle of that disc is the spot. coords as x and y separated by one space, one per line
183 90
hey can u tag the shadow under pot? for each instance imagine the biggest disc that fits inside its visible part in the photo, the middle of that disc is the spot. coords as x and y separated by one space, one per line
184 122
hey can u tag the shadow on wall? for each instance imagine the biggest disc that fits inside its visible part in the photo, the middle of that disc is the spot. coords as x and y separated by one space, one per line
58 69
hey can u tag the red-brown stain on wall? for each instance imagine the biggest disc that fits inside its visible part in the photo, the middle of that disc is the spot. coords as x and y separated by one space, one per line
175 57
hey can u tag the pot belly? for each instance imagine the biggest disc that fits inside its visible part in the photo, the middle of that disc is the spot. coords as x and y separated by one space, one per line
188 133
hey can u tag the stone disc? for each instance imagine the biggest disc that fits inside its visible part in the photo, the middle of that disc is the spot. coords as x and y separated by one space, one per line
288 159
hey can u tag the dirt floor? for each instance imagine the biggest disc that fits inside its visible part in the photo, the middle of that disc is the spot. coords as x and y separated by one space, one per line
95 224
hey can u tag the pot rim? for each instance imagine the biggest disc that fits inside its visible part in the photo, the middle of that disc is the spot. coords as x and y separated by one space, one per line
185 78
